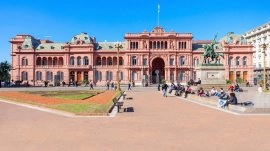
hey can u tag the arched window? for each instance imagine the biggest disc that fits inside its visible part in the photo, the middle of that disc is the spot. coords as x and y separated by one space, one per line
237 63
134 60
230 61
195 61
85 76
44 61
50 61
244 61
182 60
98 61
49 76
79 61
104 61
134 76
181 76
171 61
109 75
54 61
72 61
98 76
24 76
158 45
110 61
61 61
121 61
154 45
38 61
24 61
85 61
171 76
60 75
38 75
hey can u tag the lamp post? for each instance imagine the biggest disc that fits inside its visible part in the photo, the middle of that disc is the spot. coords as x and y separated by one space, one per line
143 78
94 73
118 46
264 46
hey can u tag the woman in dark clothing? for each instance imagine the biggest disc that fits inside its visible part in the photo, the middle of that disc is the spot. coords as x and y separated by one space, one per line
233 99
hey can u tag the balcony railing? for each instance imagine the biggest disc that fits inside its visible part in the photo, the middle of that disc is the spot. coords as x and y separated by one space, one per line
80 66
49 66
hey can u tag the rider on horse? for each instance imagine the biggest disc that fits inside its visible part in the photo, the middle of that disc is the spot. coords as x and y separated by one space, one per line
209 51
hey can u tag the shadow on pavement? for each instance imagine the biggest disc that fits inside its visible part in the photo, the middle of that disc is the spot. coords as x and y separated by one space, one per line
129 109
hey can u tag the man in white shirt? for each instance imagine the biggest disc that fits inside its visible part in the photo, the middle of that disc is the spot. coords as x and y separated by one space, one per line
213 91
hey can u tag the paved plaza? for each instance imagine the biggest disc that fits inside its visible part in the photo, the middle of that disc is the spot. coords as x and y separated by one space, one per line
156 123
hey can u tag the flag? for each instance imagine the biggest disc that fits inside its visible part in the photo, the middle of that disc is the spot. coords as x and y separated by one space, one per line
158 7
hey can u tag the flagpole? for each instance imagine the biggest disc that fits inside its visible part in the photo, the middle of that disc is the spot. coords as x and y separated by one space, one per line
158 13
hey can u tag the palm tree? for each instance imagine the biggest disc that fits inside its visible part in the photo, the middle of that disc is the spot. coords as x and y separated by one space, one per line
5 67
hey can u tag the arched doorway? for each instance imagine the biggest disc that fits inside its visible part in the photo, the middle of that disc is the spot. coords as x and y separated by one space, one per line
72 76
245 76
158 71
79 76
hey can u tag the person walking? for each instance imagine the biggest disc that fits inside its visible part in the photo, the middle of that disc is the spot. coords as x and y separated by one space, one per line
91 85
112 85
108 85
158 88
129 86
164 89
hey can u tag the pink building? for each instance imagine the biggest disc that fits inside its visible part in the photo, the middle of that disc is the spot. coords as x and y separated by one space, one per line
146 58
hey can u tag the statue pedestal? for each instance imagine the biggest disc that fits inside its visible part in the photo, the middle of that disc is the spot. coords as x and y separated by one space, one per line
211 74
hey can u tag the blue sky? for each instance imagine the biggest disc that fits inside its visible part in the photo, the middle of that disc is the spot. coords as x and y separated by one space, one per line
110 20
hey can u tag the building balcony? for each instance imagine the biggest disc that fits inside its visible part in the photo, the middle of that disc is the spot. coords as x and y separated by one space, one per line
238 67
261 68
108 66
183 66
79 66
48 66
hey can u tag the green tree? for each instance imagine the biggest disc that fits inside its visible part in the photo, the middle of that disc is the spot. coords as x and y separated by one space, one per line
5 67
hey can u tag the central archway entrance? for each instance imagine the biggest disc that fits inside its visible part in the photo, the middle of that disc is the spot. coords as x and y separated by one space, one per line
158 71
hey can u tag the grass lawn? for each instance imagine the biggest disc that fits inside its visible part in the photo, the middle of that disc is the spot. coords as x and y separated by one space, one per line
77 102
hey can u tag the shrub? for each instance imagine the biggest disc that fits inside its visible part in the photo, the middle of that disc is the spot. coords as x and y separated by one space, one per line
163 81
239 80
228 81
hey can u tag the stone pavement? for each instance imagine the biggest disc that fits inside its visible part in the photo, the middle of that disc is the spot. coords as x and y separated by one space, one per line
261 101
157 123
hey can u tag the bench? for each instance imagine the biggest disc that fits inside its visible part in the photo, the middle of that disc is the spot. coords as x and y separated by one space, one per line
118 104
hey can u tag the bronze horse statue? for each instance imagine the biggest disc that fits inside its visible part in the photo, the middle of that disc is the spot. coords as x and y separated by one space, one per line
209 53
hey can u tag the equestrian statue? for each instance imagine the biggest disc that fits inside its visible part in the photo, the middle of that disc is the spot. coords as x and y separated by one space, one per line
210 54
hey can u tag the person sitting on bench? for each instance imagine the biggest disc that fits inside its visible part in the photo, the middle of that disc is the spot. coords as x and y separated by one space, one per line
223 99
232 100
201 92
198 82
191 82
236 88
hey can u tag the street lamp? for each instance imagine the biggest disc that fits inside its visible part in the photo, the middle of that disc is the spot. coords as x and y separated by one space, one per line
143 77
118 46
264 46
94 73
